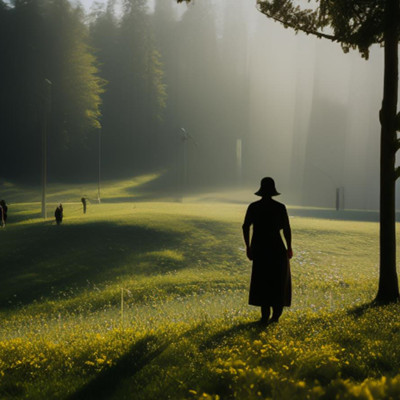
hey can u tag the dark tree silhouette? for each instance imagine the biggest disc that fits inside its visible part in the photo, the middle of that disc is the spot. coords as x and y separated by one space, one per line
359 24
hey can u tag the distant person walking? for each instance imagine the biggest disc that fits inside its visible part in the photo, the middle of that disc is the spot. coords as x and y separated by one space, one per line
59 214
270 285
84 200
3 213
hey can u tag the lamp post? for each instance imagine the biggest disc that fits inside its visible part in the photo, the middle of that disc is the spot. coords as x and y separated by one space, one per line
239 161
46 112
185 138
98 186
339 198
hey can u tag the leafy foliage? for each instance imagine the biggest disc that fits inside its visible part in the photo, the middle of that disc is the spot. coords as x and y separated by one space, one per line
354 24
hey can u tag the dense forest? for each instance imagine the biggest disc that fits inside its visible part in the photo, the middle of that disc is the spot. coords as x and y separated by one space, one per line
81 78
81 75
127 76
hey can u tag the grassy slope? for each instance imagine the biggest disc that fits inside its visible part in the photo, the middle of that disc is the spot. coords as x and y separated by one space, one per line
185 330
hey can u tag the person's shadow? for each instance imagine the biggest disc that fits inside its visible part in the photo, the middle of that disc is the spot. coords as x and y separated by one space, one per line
254 328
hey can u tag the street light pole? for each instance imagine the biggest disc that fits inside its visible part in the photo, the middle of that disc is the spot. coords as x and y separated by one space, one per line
339 198
239 161
98 187
185 138
47 108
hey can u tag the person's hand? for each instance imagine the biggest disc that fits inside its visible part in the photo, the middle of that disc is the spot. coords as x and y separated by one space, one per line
249 253
290 253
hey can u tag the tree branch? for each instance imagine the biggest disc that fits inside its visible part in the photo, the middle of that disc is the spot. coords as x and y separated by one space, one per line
353 24
299 28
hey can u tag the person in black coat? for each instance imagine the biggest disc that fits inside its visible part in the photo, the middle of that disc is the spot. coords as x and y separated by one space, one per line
58 214
270 285
2 221
3 212
83 200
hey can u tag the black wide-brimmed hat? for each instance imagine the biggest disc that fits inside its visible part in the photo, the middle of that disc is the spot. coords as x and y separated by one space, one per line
267 188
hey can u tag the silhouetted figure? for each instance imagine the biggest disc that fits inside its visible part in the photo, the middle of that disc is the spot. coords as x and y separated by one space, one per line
270 284
3 212
83 200
2 223
59 214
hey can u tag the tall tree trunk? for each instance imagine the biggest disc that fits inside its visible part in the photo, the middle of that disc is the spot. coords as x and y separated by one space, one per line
388 284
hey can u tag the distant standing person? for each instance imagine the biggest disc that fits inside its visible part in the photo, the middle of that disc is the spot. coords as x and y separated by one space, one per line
270 285
59 214
83 200
2 223
3 212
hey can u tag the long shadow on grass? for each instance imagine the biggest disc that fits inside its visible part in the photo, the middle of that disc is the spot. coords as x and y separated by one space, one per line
44 261
254 328
19 216
141 354
104 385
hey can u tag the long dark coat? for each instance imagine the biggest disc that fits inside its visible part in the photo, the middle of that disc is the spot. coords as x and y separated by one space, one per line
270 283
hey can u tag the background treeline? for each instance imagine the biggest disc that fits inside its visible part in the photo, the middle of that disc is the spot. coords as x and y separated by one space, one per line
134 72
42 42
105 71
122 71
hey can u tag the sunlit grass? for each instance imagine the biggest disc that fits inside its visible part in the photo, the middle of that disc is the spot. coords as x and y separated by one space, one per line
61 193
145 300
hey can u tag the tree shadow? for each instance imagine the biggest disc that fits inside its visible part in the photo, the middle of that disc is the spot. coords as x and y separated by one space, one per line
360 310
19 216
141 354
106 382
42 260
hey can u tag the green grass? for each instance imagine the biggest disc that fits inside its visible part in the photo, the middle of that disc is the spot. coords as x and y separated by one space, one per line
146 300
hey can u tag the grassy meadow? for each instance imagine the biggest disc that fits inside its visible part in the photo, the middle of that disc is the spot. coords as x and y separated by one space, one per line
141 299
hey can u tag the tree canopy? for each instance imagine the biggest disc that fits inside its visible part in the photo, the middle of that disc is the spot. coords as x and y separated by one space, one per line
354 24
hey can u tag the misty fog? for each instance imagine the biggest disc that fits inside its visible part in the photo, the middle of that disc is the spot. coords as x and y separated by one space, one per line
307 113
299 109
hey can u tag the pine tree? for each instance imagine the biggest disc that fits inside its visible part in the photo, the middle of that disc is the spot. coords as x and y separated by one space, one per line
76 86
46 41
136 93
